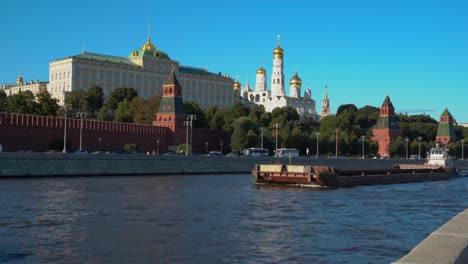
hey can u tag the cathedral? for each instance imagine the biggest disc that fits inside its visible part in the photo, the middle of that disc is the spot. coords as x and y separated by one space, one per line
277 97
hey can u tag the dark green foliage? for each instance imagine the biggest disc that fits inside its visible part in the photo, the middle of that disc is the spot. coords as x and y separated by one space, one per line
119 95
46 105
94 99
22 103
76 99
130 147
349 107
192 108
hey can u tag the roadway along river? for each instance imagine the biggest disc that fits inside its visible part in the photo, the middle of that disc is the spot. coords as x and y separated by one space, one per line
216 219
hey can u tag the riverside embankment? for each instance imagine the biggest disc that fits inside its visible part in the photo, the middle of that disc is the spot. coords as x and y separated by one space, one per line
44 164
448 244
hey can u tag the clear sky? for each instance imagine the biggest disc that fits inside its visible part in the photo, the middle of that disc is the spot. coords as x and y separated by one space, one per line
414 51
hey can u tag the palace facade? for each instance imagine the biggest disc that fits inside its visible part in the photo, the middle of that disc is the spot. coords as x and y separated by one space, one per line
144 70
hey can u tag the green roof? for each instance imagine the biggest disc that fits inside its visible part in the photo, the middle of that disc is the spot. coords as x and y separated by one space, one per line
446 113
446 130
150 53
171 104
387 122
196 71
104 58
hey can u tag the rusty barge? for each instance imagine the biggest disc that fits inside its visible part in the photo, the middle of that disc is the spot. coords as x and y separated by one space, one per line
306 175
438 167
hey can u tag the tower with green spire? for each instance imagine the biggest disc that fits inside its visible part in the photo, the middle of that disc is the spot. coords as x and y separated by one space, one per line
387 128
446 131
171 113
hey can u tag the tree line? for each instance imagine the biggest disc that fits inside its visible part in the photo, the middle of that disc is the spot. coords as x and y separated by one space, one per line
343 134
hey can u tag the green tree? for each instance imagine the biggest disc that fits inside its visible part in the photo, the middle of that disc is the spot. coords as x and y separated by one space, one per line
123 112
77 100
182 148
350 107
46 105
22 103
143 111
3 100
119 95
94 99
192 108
238 139
256 114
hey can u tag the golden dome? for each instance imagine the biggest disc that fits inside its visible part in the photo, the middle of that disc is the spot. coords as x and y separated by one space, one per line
278 52
19 80
148 45
261 71
237 85
295 80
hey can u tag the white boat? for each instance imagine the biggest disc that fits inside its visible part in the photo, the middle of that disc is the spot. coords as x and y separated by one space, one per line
439 157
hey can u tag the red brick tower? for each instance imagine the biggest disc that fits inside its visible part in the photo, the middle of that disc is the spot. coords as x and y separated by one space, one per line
387 128
171 113
446 131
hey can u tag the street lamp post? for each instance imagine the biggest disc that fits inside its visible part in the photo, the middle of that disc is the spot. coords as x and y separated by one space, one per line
157 146
81 114
363 139
191 118
406 143
336 142
206 144
317 134
276 139
66 108
262 129
186 123
99 143
221 145
419 147
463 141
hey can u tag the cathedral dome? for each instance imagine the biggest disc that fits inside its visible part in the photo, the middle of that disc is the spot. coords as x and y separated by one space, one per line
19 81
148 45
295 80
261 71
237 85
278 52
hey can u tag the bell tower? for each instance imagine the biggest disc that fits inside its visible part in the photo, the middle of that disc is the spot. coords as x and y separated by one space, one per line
277 74
325 104
446 131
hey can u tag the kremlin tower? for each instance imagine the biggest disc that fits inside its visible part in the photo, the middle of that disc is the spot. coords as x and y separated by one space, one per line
446 131
387 128
325 104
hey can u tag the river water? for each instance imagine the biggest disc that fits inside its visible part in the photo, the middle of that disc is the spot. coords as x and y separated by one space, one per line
216 219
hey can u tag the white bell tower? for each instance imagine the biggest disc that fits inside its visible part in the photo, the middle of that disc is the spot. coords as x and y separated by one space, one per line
277 74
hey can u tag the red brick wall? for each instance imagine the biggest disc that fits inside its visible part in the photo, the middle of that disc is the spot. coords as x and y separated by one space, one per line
30 132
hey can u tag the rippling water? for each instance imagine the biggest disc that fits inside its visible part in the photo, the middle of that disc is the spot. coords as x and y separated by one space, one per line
216 219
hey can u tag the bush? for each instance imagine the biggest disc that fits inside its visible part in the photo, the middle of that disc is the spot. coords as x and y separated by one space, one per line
130 147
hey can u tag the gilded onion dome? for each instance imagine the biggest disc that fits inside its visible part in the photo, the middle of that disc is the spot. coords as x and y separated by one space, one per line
19 80
237 85
261 71
148 45
295 80
278 52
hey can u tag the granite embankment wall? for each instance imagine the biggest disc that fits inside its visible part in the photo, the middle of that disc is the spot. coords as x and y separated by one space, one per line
14 164
448 244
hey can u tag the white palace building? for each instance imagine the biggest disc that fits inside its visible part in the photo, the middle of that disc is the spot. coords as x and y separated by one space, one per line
305 105
145 70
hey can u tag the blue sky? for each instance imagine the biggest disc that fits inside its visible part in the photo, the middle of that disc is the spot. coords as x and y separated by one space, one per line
414 51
